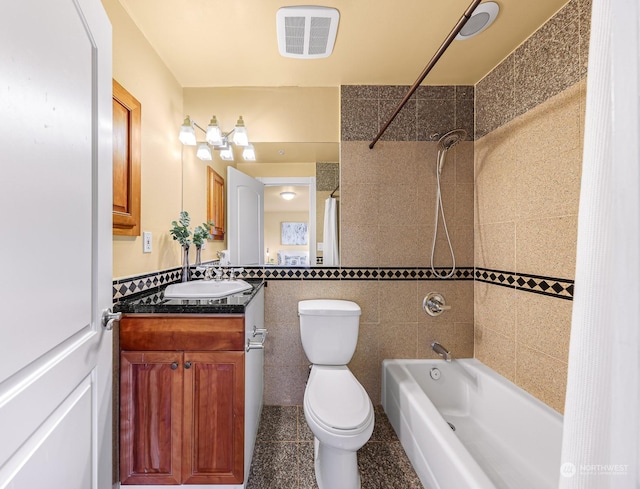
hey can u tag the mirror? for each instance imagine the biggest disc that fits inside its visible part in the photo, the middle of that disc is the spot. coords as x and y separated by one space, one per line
294 131
311 171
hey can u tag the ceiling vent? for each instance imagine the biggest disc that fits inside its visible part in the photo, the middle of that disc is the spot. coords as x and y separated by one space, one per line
307 32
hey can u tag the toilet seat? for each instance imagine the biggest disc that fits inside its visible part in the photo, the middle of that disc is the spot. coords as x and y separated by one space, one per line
336 401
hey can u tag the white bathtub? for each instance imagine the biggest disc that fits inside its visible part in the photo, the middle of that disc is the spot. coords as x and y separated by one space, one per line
504 438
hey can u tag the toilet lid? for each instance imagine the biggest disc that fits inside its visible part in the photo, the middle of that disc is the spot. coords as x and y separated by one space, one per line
338 400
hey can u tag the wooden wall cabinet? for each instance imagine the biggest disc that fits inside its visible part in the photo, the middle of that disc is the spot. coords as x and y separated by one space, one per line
126 162
182 389
215 203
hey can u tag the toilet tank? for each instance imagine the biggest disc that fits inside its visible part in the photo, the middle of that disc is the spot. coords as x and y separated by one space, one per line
329 330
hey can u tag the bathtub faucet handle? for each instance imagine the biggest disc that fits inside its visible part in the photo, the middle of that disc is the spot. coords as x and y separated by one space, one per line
434 304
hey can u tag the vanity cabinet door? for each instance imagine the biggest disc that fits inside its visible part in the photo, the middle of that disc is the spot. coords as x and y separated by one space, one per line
213 438
151 399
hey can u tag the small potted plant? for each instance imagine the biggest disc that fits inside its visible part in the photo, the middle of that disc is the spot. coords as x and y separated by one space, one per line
181 233
200 234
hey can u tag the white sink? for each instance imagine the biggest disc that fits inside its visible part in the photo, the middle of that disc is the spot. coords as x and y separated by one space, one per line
205 289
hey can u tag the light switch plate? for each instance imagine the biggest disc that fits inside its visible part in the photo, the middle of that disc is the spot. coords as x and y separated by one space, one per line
146 242
320 246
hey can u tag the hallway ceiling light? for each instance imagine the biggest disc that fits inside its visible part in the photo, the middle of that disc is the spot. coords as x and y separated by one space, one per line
482 17
287 195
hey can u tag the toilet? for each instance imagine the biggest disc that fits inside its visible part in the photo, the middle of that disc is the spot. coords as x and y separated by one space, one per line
336 406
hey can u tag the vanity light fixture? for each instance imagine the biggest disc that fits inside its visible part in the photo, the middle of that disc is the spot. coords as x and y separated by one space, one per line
287 195
214 133
204 152
249 153
217 139
187 134
226 151
240 136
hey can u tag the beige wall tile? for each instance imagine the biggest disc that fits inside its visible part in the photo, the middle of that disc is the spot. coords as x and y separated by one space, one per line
464 162
359 164
284 390
463 245
398 204
496 351
284 347
359 204
549 187
400 245
544 324
427 157
442 332
397 301
495 308
365 363
495 246
464 206
495 177
400 163
359 245
547 246
542 376
281 303
365 294
398 340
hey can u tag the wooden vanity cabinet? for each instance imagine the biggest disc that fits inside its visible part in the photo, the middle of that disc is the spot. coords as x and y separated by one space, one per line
182 399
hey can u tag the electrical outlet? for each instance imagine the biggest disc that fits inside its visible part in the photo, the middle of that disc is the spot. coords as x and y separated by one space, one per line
204 244
146 242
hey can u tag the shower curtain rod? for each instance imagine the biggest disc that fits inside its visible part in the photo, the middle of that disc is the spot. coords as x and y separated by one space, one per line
458 27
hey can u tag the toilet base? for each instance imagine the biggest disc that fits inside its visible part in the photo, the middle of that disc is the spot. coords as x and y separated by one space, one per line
335 468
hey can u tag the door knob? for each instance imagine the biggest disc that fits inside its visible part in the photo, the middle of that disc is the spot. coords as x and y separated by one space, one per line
109 317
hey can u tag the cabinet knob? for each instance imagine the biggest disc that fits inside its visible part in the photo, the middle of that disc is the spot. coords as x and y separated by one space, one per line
174 365
187 364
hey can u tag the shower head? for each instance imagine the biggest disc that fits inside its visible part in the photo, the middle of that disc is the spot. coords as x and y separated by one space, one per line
446 142
450 139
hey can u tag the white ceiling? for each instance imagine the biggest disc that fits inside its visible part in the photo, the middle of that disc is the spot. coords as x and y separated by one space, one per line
215 43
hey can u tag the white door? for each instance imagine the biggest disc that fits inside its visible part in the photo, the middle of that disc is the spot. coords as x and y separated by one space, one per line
245 219
55 196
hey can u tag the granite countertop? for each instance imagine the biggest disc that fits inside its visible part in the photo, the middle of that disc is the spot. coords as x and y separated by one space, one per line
154 302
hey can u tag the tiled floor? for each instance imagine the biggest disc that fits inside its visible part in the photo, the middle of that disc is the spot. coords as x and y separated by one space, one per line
283 456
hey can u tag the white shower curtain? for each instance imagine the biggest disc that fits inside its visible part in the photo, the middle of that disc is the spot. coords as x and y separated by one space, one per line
330 239
601 441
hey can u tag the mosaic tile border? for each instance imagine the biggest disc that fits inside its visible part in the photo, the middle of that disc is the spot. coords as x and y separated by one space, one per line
549 286
363 273
127 287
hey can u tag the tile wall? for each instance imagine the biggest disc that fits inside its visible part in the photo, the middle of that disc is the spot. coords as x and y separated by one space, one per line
528 159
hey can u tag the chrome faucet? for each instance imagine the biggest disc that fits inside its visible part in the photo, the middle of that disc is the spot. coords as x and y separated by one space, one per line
441 350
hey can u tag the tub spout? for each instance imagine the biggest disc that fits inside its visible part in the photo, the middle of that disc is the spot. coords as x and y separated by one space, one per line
441 350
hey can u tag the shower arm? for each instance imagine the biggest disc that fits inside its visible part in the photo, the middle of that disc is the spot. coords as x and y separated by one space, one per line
458 27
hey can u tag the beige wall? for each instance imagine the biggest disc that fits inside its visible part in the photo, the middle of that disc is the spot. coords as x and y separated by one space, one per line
528 160
138 69
527 190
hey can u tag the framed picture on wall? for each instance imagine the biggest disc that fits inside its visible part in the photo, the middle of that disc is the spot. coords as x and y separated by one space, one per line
294 233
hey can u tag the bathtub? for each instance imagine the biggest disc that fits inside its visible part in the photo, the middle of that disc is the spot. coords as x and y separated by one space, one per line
504 438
